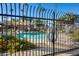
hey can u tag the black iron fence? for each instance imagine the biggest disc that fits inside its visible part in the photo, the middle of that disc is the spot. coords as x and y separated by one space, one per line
34 31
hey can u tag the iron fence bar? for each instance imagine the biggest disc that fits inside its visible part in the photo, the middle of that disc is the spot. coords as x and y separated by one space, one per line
23 25
30 25
39 12
48 29
2 28
56 35
35 26
26 21
19 27
36 12
6 29
11 25
34 9
58 39
25 16
48 15
15 27
53 40
42 11
44 15
25 11
51 15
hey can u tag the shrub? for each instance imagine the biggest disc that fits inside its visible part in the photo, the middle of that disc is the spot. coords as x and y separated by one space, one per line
12 44
8 37
75 36
24 45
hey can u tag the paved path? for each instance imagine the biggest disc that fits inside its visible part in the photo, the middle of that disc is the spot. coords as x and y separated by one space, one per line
70 53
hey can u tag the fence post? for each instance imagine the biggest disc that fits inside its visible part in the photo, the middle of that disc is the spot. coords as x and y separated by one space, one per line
53 32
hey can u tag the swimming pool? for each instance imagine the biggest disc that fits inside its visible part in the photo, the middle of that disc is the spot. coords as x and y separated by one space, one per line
40 36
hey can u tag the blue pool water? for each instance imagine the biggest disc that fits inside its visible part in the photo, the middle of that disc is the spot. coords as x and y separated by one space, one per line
33 36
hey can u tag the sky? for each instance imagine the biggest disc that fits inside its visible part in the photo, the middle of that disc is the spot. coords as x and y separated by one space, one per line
64 7
61 8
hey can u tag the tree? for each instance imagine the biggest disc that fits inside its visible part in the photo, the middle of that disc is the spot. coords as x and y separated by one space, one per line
68 18
66 21
38 24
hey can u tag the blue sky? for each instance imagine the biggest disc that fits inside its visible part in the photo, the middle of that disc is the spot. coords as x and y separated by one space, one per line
60 7
64 7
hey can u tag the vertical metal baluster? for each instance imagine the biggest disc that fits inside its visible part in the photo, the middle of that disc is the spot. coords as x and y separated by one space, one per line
19 29
35 25
47 15
23 27
39 28
43 20
53 20
49 48
24 24
34 9
58 26
49 30
44 16
59 37
41 16
22 21
2 27
30 24
26 12
53 34
56 46
50 44
11 25
28 15
15 27
6 28
55 31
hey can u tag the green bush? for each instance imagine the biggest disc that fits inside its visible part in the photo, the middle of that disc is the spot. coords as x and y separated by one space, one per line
24 45
14 44
75 36
18 48
8 37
